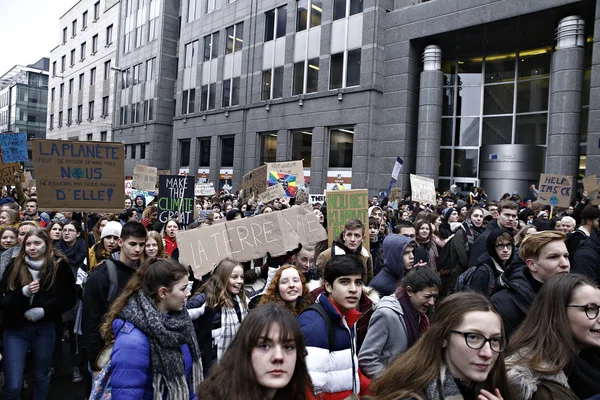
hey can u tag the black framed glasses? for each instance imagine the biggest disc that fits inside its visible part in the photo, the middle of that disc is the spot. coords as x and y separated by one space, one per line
476 341
591 310
504 246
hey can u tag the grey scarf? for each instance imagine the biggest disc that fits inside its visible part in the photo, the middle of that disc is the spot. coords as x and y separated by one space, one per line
166 335
443 387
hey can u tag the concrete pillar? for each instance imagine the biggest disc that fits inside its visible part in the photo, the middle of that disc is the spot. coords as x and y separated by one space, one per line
215 158
238 158
566 88
193 157
318 166
283 145
429 131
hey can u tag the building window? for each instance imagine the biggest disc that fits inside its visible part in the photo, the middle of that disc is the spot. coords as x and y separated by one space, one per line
187 102
211 46
79 113
62 90
191 54
84 20
268 147
133 146
103 136
109 32
83 46
142 151
51 121
302 146
123 115
72 58
69 116
71 86
212 5
272 84
346 8
74 28
193 9
64 36
90 137
107 70
125 78
148 110
60 117
52 94
53 68
136 73
275 23
94 44
337 79
92 76
231 92
90 110
308 14
341 141
204 148
105 106
63 63
139 36
184 153
96 11
152 29
306 77
81 80
235 38
207 97
150 69
136 113
227 146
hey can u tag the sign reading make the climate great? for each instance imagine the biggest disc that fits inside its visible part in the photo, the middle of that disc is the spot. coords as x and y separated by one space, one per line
79 176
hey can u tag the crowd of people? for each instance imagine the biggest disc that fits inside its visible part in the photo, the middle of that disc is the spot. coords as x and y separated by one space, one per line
468 298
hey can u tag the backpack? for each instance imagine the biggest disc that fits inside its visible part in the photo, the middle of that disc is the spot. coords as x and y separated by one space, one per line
318 307
463 282
444 263
113 280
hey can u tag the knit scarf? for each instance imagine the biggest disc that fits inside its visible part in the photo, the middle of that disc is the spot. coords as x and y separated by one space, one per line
414 327
229 326
472 233
76 253
166 335
443 387
35 265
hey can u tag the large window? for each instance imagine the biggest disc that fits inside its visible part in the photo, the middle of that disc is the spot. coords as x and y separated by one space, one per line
94 44
184 153
227 146
212 5
109 34
272 84
235 38
105 106
123 116
72 58
207 97
107 70
96 11
204 152
275 23
191 54
306 77
90 110
83 51
308 14
92 76
302 146
231 92
346 8
188 101
268 147
211 46
341 142
150 69
351 59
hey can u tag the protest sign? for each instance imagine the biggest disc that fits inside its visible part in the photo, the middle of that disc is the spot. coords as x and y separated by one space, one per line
396 194
144 178
29 181
176 194
590 184
344 205
422 189
14 147
146 195
79 176
7 173
248 238
288 182
162 172
255 181
128 188
317 198
272 193
555 190
204 189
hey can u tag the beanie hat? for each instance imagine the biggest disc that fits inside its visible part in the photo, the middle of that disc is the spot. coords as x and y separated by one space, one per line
448 212
113 228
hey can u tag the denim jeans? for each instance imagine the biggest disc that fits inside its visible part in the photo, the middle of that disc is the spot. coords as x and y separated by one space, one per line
37 337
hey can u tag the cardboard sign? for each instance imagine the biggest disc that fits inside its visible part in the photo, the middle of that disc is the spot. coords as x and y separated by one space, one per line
79 176
7 173
555 190
146 195
14 147
248 238
255 181
176 194
396 194
144 178
162 172
317 198
272 193
344 205
204 189
29 181
590 185
422 189
288 182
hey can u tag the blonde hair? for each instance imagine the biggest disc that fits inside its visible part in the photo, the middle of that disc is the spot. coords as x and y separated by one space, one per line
532 245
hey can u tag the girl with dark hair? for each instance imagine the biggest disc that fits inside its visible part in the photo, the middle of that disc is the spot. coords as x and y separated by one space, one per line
36 288
399 320
265 361
96 233
155 353
500 250
460 356
111 232
288 288
169 234
220 306
424 239
54 229
563 321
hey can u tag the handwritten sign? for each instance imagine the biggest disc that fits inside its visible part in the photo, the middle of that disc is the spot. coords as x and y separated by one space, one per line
255 181
272 193
176 194
7 173
590 184
144 178
204 189
14 147
317 198
79 176
344 205
396 194
146 195
248 238
555 190
422 189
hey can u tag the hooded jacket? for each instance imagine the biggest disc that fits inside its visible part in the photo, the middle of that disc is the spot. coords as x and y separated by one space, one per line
489 267
392 271
531 385
586 260
139 209
386 338
480 245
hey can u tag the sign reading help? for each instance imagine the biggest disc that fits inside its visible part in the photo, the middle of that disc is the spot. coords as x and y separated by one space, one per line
344 205
144 178
176 194
14 147
555 190
79 176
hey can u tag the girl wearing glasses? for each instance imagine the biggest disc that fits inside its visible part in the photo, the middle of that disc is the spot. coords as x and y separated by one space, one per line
491 264
563 321
460 356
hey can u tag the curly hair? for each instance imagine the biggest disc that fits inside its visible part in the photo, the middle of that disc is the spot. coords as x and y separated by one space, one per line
272 294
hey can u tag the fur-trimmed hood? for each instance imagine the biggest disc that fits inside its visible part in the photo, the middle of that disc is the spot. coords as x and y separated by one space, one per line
526 381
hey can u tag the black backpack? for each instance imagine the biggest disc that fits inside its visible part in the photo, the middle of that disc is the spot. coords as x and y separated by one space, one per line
318 307
463 282
113 280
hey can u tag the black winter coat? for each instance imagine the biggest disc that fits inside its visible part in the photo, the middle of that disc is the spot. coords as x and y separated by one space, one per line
54 297
586 260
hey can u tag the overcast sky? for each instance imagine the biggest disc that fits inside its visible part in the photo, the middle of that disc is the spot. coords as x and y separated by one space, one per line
29 30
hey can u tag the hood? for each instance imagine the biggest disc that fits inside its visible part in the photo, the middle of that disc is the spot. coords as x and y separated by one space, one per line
491 246
370 213
514 277
140 197
392 303
526 381
394 246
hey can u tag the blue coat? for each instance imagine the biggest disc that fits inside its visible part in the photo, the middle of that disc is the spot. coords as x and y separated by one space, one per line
131 377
